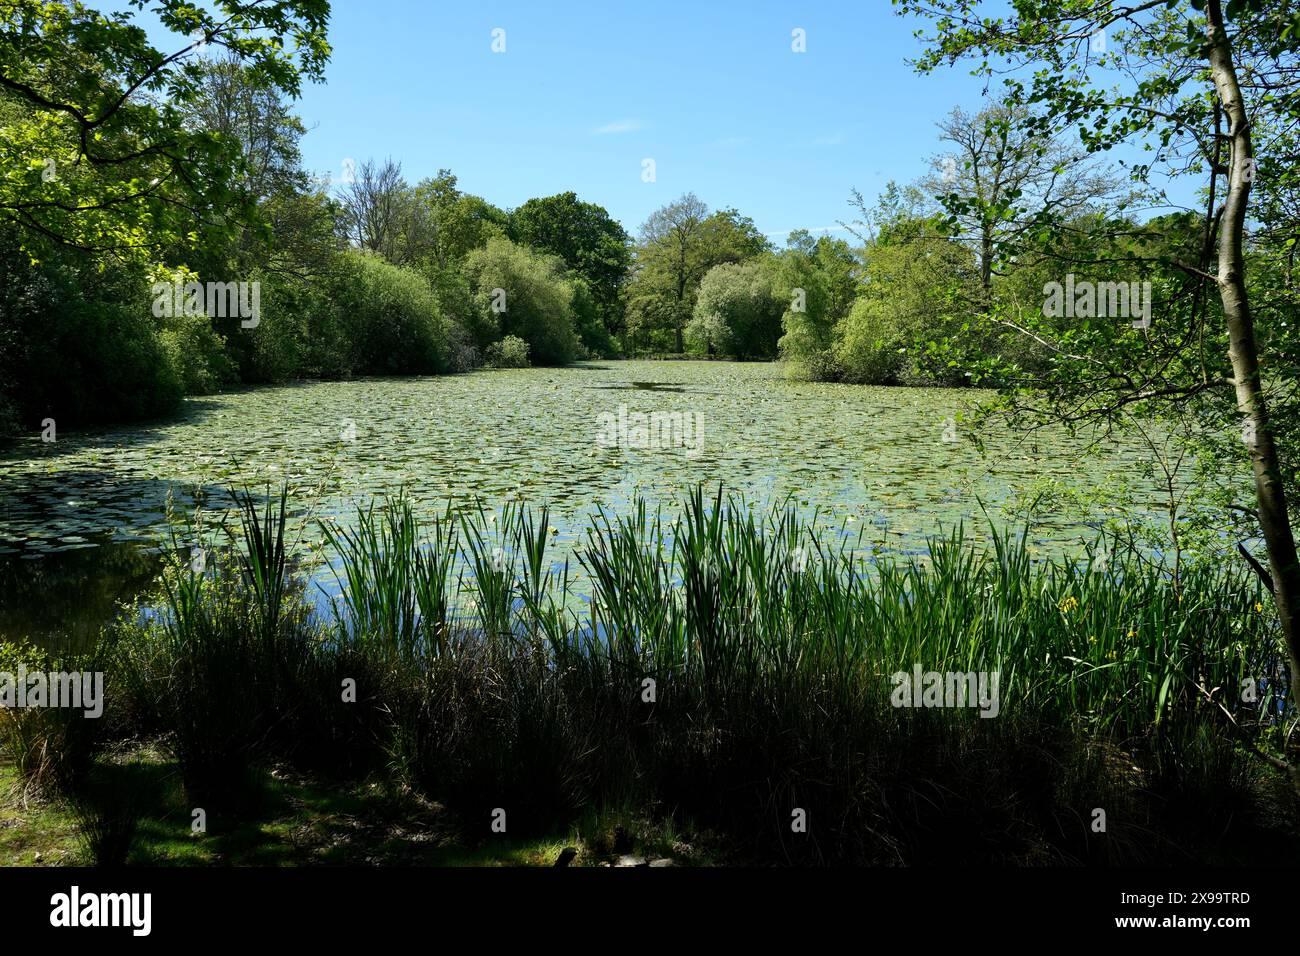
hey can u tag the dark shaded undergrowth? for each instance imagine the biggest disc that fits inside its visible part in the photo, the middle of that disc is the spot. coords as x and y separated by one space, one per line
723 672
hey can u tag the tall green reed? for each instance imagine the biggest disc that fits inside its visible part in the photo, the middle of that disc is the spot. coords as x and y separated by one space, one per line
772 639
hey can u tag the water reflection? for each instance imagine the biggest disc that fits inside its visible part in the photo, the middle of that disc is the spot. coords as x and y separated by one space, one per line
62 599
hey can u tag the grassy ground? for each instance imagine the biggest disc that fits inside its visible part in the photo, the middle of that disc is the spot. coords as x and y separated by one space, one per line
302 822
310 822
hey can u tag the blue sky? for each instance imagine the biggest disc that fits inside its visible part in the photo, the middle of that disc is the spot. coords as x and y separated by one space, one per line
584 91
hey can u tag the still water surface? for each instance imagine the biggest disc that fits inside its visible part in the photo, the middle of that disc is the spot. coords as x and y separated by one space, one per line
82 519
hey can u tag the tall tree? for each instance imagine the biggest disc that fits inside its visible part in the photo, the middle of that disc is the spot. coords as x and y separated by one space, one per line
680 243
99 155
1001 179
458 222
591 243
382 213
1194 80
730 236
264 136
671 246
817 279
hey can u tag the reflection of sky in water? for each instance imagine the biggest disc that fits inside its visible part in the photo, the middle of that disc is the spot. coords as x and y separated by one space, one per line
876 456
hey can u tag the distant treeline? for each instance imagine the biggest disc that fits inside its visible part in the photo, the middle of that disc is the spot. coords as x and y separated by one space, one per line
369 275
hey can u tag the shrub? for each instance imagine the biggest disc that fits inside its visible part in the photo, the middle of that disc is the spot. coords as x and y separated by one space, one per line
10 420
53 748
921 287
108 813
871 349
525 294
390 320
736 312
510 352
80 343
468 332
196 354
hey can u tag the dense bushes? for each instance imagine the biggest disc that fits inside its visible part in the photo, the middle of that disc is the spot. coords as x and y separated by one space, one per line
298 336
196 352
389 315
921 287
817 282
871 347
79 344
522 293
589 321
510 352
370 277
737 313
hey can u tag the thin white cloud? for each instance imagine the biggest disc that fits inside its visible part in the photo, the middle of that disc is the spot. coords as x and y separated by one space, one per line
733 141
618 126
817 231
834 140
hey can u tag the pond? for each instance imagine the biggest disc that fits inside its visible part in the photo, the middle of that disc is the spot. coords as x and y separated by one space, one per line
80 516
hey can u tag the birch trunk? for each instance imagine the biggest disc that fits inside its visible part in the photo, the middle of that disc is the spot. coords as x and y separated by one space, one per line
1269 493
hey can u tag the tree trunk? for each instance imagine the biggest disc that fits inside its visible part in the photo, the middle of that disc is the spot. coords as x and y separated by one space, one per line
1271 496
986 265
679 314
986 259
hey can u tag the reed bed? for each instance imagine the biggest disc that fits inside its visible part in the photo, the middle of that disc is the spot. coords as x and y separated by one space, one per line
725 669
726 601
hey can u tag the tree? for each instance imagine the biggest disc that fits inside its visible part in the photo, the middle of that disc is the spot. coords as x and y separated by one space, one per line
1004 178
732 237
671 251
389 317
95 159
525 294
590 242
588 321
254 118
737 313
458 223
383 214
1204 77
680 242
817 281
920 282
263 135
